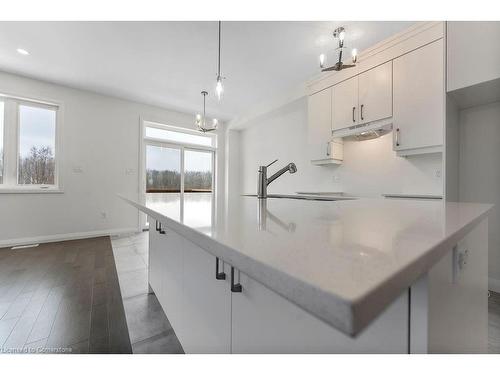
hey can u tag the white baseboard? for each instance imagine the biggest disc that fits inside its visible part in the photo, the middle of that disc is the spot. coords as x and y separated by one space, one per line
494 285
65 237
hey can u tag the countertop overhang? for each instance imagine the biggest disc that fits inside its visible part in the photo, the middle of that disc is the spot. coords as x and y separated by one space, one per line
343 261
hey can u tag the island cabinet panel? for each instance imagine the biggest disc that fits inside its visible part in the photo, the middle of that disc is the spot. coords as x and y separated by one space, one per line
206 303
457 292
264 322
165 271
419 99
375 93
154 257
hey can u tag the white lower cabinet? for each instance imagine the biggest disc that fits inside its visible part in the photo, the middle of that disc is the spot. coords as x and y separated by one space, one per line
208 318
198 306
206 303
264 322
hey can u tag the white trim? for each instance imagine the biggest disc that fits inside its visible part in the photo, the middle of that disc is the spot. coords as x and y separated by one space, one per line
66 237
494 284
36 189
45 103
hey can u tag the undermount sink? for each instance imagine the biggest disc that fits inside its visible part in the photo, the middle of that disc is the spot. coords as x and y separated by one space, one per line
303 197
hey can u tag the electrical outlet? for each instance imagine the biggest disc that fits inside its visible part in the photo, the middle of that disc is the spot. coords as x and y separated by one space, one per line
129 171
77 169
104 215
438 173
336 178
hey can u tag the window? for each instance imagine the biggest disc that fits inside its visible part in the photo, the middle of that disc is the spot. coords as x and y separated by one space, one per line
28 145
37 145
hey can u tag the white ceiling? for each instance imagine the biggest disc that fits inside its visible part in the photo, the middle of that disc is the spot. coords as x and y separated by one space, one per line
169 63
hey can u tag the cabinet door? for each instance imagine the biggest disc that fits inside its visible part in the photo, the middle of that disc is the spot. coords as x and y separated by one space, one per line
471 62
319 131
264 322
375 93
170 265
206 304
154 272
419 98
345 104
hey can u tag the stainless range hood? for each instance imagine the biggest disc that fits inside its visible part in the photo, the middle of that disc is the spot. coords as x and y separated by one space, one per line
365 132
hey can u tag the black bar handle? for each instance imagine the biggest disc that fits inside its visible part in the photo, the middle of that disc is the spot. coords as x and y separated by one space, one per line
219 275
362 105
161 230
235 288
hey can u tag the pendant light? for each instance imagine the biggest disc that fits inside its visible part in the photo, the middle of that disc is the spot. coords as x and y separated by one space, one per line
201 122
219 89
339 33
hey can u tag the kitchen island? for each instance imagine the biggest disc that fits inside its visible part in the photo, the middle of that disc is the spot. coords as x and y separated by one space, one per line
300 276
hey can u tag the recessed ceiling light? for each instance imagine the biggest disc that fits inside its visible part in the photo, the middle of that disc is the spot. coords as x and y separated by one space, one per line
22 51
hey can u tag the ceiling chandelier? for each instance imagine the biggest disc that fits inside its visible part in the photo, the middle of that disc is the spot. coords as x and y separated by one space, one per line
201 122
338 33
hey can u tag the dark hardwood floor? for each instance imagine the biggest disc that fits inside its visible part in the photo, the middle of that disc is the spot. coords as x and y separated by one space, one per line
62 297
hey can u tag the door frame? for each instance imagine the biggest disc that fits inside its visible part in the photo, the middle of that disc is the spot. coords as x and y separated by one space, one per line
143 142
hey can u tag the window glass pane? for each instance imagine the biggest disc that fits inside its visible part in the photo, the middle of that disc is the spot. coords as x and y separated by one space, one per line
1 141
37 141
173 136
163 180
198 170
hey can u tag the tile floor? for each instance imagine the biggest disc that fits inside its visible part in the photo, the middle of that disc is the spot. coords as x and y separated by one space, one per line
149 328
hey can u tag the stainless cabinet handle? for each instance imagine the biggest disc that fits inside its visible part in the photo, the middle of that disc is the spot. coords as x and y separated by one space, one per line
353 109
235 288
157 228
362 105
327 148
397 137
219 275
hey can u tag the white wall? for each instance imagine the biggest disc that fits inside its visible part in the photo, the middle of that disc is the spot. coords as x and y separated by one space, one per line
370 168
479 171
100 135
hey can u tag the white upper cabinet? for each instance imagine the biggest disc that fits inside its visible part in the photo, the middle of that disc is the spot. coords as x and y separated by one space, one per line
418 117
473 53
319 134
375 94
345 104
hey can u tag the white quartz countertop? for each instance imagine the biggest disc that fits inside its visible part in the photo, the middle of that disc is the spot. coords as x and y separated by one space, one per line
343 261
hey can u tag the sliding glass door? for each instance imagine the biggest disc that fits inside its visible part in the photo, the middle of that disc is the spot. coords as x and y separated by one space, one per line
180 183
198 188
163 179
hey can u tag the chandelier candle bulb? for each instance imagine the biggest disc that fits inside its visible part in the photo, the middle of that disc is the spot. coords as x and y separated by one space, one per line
322 59
354 54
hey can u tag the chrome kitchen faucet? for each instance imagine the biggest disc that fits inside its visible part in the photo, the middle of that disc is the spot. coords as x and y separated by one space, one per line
264 181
